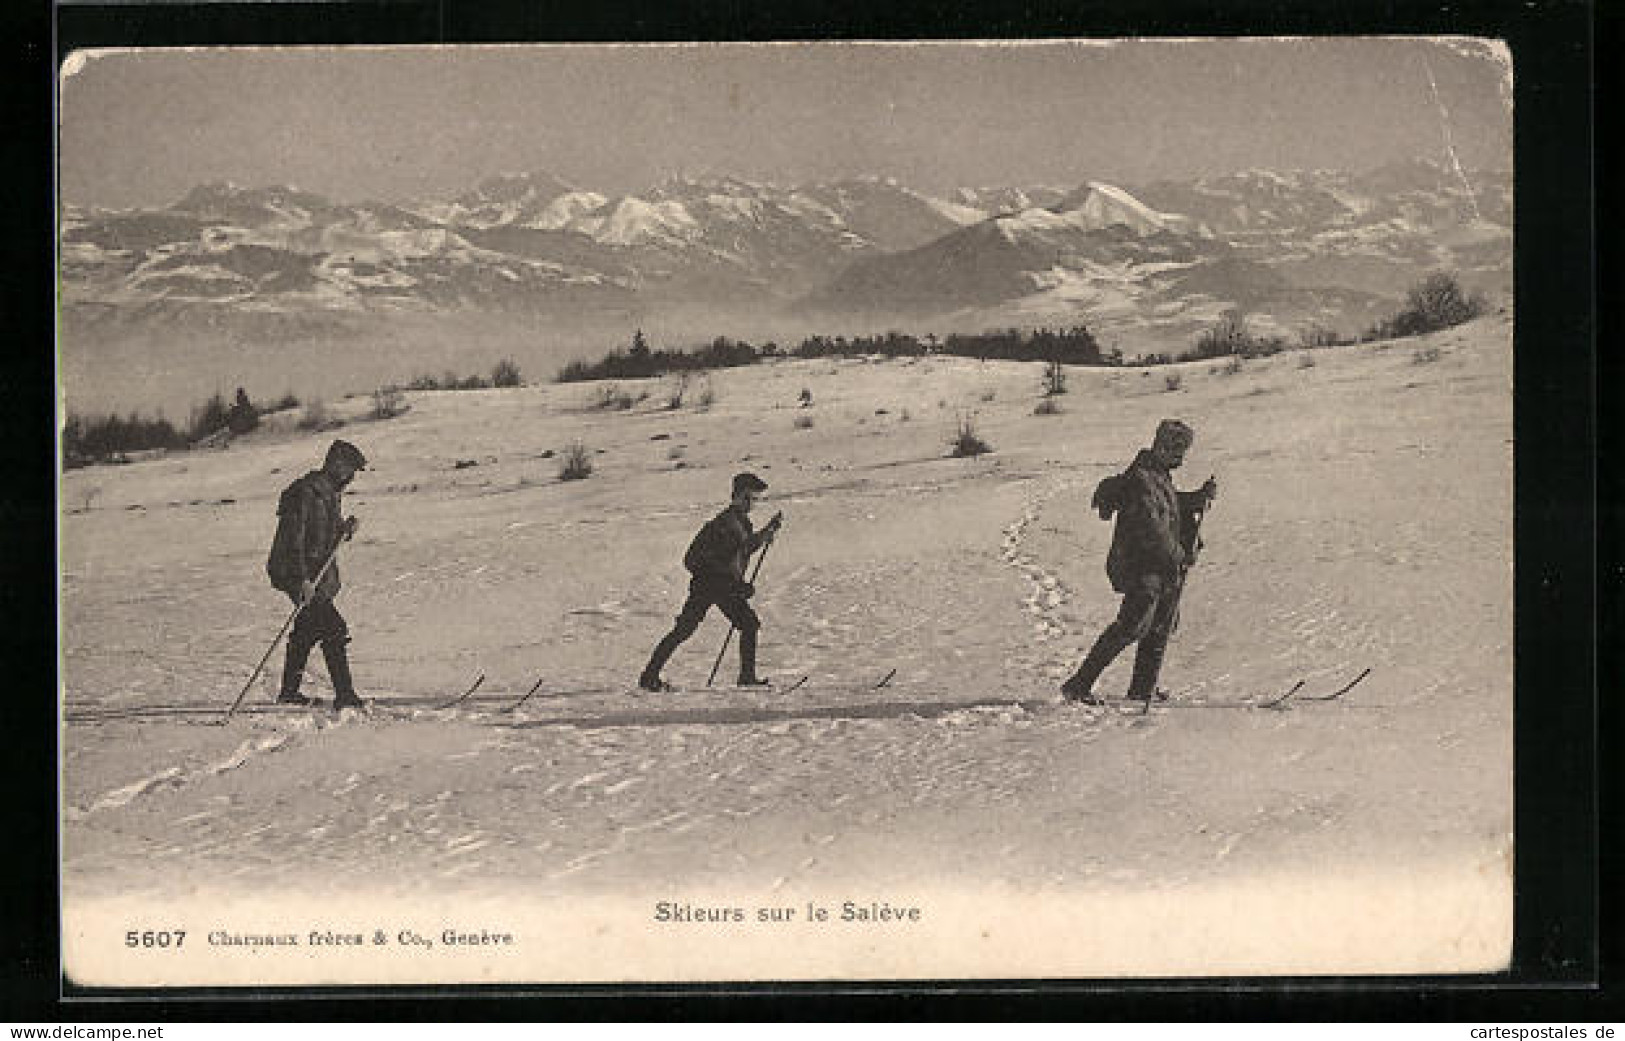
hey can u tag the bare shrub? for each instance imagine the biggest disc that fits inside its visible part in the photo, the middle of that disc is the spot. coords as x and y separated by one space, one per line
966 441
1227 336
674 401
314 417
1047 407
575 464
1321 336
707 396
1231 367
1437 302
611 397
1054 381
86 440
388 402
804 422
1173 381
506 374
1427 355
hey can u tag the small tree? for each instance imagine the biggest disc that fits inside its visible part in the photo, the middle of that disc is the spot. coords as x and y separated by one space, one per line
243 416
209 418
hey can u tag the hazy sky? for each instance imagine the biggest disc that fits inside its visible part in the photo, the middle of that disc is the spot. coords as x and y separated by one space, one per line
141 128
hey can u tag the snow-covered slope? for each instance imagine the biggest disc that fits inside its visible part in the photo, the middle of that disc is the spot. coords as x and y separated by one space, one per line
1371 834
1105 205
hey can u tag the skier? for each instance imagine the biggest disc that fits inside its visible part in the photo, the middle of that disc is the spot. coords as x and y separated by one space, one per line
308 531
716 559
1153 544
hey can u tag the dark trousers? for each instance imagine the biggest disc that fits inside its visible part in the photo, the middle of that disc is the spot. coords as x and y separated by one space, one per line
1147 616
319 623
702 598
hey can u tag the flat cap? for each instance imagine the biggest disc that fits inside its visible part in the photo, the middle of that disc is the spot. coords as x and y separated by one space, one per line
1171 433
344 452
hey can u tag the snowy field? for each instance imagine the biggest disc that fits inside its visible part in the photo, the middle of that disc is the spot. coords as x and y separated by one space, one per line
1364 522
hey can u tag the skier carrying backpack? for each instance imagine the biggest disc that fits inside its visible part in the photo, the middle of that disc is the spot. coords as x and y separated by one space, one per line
310 526
1153 544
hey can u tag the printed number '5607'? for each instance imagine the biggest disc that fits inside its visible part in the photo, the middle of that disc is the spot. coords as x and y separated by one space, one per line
155 938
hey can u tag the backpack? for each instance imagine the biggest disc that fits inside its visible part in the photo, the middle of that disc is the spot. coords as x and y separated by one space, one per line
1108 497
281 565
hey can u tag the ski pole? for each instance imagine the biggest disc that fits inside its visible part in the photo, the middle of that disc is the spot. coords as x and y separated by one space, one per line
729 638
1197 516
1196 526
285 627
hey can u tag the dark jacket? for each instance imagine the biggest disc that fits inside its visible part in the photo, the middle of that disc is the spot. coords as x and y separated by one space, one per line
718 555
310 524
1154 536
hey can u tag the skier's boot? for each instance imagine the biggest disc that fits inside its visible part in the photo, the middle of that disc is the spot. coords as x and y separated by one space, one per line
747 660
650 679
338 670
293 672
1147 664
1080 686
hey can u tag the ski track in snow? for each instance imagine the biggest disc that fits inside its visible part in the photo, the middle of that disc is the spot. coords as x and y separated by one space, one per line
1043 605
247 751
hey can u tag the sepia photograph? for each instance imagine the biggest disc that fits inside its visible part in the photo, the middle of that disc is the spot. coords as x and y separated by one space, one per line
818 511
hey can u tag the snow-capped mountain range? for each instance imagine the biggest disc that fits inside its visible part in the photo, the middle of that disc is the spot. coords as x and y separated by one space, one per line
1288 247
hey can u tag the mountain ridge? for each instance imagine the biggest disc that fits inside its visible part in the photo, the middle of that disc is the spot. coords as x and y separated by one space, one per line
1294 246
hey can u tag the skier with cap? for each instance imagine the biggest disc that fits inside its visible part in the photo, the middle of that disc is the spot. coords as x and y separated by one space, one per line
716 559
310 526
1153 544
